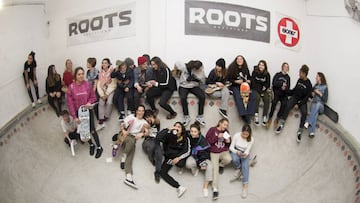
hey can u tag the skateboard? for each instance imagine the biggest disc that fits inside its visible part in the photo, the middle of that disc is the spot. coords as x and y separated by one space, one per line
84 126
213 88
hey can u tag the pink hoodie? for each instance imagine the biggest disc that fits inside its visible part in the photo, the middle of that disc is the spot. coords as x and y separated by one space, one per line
79 94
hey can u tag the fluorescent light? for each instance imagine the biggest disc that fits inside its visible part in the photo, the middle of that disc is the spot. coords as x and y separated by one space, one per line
1 4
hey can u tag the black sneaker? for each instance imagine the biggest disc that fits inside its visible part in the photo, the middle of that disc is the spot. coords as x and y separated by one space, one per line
215 195
130 183
98 152
121 117
223 113
279 129
122 165
298 139
221 170
92 149
157 176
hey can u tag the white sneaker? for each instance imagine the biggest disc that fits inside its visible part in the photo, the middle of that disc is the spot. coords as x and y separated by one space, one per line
306 125
201 120
39 101
244 193
181 171
205 192
195 171
100 127
33 104
256 119
186 121
181 190
265 120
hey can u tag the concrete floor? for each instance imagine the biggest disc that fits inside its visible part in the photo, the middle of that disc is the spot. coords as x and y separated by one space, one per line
36 166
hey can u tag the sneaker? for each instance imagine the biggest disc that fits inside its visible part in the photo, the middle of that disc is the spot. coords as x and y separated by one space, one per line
298 139
256 119
205 192
171 116
201 120
279 129
92 149
100 127
264 122
130 183
33 104
268 123
122 165
223 113
114 150
221 169
215 195
39 101
306 125
244 192
253 161
157 176
122 116
181 190
181 171
236 176
99 151
186 121
312 135
195 171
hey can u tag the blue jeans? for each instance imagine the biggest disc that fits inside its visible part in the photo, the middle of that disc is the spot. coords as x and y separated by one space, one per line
243 164
316 108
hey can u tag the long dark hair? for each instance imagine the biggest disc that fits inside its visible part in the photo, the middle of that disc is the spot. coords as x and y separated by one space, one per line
233 67
159 62
257 69
322 78
247 128
51 77
183 129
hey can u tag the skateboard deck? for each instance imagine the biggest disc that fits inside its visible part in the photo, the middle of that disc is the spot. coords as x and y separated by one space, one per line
84 126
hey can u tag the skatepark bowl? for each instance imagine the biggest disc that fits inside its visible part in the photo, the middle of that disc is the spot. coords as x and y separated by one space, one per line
37 166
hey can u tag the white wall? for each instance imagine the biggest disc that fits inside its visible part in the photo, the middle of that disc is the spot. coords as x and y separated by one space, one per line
23 29
333 48
328 43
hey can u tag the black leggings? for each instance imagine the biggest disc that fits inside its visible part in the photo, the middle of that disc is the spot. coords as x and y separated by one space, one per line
93 130
29 89
164 173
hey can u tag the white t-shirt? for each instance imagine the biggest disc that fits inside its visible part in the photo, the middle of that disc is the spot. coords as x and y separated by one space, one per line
135 124
68 127
238 143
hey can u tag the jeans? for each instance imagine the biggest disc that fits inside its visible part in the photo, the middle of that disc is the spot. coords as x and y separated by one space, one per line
119 97
316 108
243 164
277 98
105 107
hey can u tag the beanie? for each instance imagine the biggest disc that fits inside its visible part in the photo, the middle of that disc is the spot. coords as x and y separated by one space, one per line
141 60
220 62
244 87
119 63
129 62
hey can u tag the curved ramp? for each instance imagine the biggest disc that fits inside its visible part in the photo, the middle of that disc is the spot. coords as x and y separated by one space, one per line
36 166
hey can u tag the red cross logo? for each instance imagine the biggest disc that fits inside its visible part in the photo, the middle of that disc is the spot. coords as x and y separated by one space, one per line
288 32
